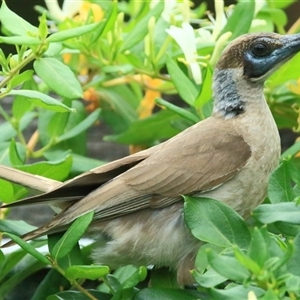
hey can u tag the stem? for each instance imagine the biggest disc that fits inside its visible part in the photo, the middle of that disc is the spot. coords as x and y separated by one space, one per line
41 151
294 27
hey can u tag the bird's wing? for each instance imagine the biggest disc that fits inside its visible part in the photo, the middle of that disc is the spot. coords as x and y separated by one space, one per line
201 158
74 189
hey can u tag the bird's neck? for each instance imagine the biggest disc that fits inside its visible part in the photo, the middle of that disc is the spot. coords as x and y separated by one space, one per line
232 94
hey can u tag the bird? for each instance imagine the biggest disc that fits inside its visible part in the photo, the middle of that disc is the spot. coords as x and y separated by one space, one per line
137 200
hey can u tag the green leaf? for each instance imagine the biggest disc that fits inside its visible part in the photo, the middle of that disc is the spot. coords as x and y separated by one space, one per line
14 156
209 279
243 15
58 170
205 94
28 248
52 283
20 78
294 262
72 235
186 89
15 227
64 35
80 127
269 213
178 110
58 77
228 267
6 192
260 240
214 222
168 294
162 120
92 272
280 188
15 24
236 293
246 261
42 100
20 40
140 30
72 295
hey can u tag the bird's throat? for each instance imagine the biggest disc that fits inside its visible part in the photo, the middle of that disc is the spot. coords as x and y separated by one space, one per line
228 102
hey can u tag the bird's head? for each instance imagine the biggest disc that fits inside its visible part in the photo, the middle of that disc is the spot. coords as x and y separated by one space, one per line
259 55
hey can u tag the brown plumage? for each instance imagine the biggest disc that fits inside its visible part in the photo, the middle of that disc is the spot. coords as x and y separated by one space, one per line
229 156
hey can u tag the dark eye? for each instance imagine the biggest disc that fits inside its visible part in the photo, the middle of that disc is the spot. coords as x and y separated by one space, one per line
260 49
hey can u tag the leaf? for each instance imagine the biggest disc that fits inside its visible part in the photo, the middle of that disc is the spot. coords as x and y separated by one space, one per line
42 100
15 227
280 188
236 293
20 78
162 120
243 15
58 170
205 94
64 35
140 30
214 222
6 192
14 156
168 294
228 267
269 213
80 127
72 235
260 240
72 295
183 84
209 279
19 40
178 110
52 283
15 24
28 248
91 272
294 261
58 77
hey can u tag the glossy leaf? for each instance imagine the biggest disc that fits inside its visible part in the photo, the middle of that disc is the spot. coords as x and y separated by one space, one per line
16 227
58 77
42 100
140 30
58 170
91 272
242 15
148 126
20 40
72 295
280 187
80 127
186 89
28 248
15 24
64 35
72 235
214 222
52 283
6 192
237 293
270 213
228 267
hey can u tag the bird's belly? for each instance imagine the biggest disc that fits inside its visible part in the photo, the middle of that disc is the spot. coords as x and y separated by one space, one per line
159 237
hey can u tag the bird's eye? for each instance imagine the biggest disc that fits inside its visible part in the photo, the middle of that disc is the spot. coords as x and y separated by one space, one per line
260 49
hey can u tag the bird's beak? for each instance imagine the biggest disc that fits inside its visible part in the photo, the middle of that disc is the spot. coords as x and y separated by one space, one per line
290 46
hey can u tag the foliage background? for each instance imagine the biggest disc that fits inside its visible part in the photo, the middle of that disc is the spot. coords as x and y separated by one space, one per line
117 57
